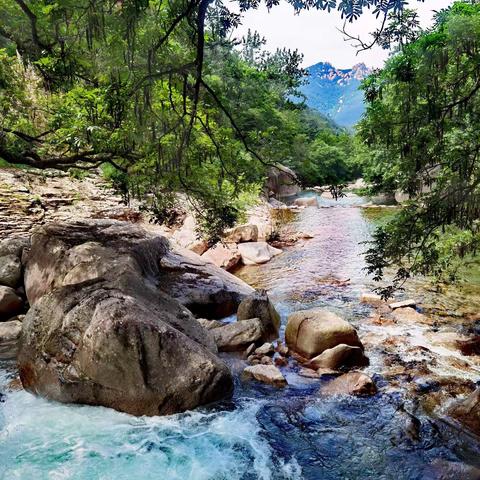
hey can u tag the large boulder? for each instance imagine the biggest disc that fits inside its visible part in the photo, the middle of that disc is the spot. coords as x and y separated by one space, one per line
467 411
352 383
102 331
11 251
255 253
223 255
9 337
258 305
205 289
242 233
74 253
10 271
237 335
10 303
282 182
340 356
311 332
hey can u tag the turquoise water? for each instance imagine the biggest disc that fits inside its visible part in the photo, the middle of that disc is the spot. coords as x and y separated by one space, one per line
46 440
262 433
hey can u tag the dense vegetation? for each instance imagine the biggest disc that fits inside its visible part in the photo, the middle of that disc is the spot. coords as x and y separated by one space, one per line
423 127
164 100
159 96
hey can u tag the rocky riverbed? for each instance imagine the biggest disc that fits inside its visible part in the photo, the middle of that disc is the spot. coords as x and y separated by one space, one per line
312 375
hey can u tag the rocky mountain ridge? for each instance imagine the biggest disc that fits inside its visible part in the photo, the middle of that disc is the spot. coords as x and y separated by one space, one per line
335 92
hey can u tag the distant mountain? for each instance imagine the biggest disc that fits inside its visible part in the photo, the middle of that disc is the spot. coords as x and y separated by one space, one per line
334 92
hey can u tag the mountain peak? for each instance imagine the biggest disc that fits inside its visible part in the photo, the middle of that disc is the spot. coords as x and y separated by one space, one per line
335 91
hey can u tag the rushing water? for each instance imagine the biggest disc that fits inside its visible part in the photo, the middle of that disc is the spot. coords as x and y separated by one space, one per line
263 432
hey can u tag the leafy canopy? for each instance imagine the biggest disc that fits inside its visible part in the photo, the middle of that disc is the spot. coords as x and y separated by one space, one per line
423 126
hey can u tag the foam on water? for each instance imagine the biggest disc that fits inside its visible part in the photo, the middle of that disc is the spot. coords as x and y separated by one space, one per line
46 440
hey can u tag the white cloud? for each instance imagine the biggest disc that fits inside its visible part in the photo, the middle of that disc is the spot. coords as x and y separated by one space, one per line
315 33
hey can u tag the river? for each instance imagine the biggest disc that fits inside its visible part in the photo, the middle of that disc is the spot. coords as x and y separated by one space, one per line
263 432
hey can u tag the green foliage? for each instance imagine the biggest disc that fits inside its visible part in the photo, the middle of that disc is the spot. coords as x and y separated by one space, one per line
331 160
159 91
422 126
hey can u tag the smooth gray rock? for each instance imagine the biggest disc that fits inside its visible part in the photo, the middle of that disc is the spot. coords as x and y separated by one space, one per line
9 338
237 335
14 246
10 271
258 305
206 290
101 331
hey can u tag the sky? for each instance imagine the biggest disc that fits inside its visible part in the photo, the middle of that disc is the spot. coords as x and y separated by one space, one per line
315 34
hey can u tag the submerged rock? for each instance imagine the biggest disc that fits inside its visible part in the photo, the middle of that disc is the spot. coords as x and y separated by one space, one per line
237 335
255 253
10 303
352 383
311 332
467 411
340 356
258 305
102 331
441 469
267 374
306 202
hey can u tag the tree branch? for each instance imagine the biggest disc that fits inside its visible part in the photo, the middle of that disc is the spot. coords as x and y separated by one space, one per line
33 25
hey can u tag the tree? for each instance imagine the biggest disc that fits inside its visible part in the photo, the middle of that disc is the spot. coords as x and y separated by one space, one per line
423 121
135 84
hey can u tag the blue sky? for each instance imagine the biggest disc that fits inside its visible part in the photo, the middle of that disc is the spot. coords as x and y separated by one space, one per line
315 33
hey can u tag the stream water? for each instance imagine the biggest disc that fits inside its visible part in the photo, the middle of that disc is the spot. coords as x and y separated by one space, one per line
263 432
